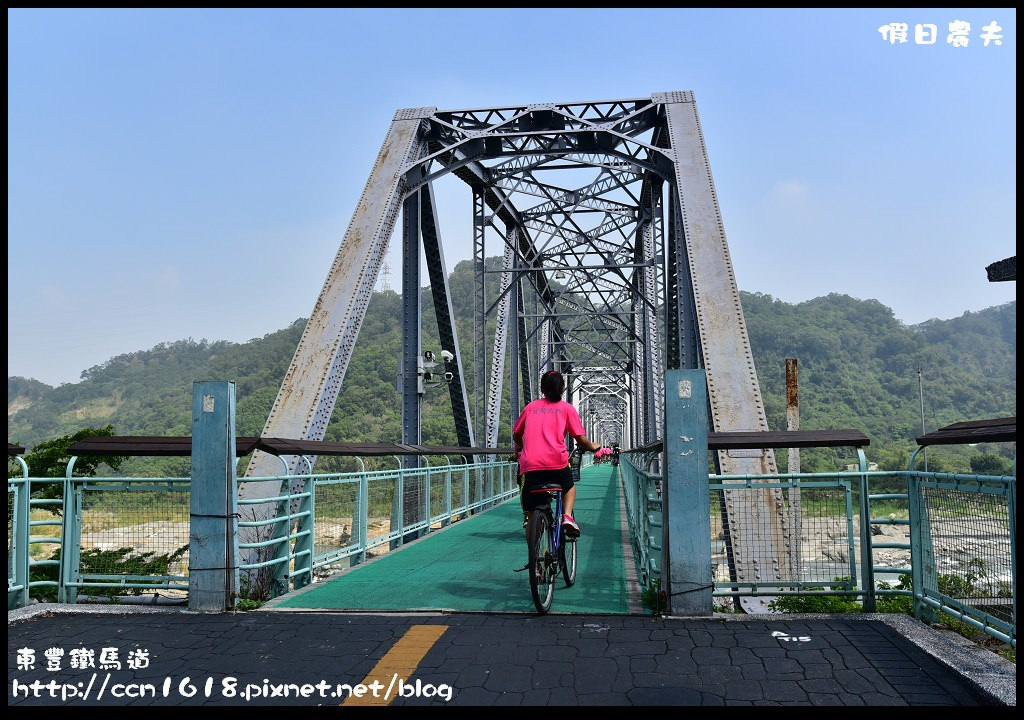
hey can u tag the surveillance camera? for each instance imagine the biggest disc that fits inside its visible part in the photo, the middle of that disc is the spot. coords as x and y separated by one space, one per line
448 377
428 355
448 357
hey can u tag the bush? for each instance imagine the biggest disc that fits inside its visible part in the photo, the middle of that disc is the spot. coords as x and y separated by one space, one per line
654 598
816 603
94 561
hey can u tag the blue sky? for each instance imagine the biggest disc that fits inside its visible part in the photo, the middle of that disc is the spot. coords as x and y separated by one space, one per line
182 174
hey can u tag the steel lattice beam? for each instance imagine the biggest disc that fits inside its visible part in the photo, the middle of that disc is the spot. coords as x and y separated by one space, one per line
627 268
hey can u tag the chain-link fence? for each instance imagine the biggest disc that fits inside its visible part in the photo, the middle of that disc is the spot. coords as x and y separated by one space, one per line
863 535
365 515
642 493
967 547
128 537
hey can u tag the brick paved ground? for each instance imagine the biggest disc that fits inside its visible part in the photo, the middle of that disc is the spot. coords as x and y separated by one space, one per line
504 659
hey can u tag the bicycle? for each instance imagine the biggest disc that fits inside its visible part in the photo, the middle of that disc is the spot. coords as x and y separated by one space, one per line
551 552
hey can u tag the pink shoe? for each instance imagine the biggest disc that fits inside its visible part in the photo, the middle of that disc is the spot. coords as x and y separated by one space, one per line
569 526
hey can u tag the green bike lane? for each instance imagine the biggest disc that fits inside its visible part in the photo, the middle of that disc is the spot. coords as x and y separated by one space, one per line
469 566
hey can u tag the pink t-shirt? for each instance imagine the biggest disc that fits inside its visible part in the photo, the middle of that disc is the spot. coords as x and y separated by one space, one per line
543 426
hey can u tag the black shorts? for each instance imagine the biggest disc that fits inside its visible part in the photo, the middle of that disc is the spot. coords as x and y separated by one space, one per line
532 479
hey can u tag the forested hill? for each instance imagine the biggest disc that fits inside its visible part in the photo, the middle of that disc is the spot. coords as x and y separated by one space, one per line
858 368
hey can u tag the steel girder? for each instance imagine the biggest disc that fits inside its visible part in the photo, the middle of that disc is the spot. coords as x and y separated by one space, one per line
307 396
433 250
760 543
602 248
497 376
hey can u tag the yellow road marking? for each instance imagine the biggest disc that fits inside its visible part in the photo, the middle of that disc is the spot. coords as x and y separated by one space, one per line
398 664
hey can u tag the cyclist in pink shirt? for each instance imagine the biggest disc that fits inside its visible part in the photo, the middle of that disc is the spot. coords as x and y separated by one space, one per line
539 437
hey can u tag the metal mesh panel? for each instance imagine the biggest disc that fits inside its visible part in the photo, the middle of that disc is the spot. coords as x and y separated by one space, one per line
476 486
969 534
643 513
142 532
824 550
379 528
460 476
337 518
343 525
495 484
438 479
414 499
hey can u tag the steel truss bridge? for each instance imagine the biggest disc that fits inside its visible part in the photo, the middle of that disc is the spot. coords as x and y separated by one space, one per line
615 267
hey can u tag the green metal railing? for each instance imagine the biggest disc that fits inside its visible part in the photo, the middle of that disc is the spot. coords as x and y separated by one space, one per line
124 536
362 514
642 492
131 535
965 550
45 522
340 517
820 555
274 551
17 540
946 540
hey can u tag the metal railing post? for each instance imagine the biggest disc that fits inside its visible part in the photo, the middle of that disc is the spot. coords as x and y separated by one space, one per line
686 511
305 533
426 500
447 502
20 560
71 540
397 518
866 555
213 543
360 515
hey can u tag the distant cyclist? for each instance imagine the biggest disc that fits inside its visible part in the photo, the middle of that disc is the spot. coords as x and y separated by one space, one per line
539 436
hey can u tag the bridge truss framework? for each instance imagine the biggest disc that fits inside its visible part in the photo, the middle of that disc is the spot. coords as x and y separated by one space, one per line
615 267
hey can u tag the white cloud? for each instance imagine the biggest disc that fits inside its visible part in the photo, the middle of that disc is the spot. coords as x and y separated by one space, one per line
790 190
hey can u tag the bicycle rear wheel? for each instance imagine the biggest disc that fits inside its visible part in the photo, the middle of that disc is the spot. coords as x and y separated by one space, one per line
543 564
567 559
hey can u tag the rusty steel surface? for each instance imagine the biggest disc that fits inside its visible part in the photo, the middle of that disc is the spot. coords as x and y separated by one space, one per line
792 390
281 446
307 396
149 446
973 431
1002 270
733 389
776 439
181 446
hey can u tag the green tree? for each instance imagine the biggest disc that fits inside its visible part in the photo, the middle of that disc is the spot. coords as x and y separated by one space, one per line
51 458
991 464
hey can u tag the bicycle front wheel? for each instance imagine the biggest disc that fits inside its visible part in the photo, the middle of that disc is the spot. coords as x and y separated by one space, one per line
567 559
543 564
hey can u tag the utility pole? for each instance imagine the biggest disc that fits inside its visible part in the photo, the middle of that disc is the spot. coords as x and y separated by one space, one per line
793 466
920 393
